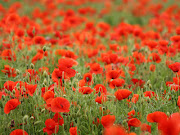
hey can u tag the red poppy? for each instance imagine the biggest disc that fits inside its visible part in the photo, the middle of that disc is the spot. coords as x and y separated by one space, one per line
100 88
73 131
154 57
18 132
107 121
101 99
122 94
49 96
39 40
65 64
85 90
175 67
51 127
8 55
156 117
58 119
95 68
152 67
30 88
11 105
10 85
116 83
149 94
112 74
60 104
115 130
11 72
130 114
134 122
88 78
135 98
58 75
145 127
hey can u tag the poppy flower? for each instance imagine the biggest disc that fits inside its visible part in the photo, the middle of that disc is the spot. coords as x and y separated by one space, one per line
130 114
175 67
122 94
135 98
51 127
149 94
154 57
156 117
39 40
108 120
101 99
60 104
10 85
30 88
116 83
115 130
73 131
152 67
11 72
88 78
18 132
58 75
134 122
49 96
8 55
85 90
58 119
145 127
11 105
65 64
100 88
112 74
95 68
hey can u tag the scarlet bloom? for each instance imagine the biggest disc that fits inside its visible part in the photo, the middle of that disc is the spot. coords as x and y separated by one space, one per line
30 88
149 94
95 68
85 90
152 67
58 75
156 117
60 104
11 105
73 131
154 57
122 94
66 64
100 88
135 98
39 40
10 85
88 78
8 55
107 121
112 74
11 72
115 130
134 122
101 99
116 83
51 127
145 127
18 132
58 119
48 96
175 67
131 113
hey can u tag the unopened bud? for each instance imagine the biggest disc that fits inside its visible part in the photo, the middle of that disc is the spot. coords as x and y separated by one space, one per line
32 66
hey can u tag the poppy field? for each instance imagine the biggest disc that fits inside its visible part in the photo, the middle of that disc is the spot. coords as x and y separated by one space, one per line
89 67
